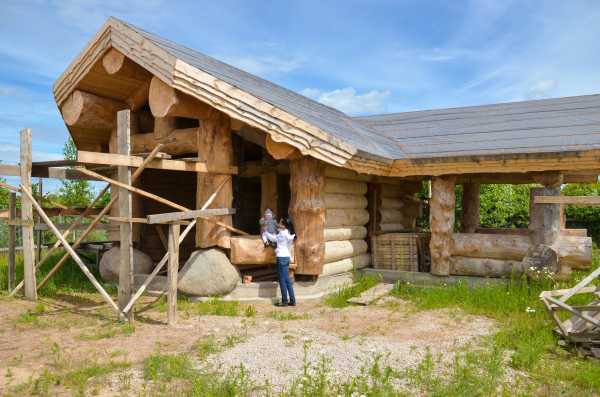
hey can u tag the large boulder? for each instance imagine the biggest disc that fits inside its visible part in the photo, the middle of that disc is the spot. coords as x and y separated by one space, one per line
110 263
208 273
540 262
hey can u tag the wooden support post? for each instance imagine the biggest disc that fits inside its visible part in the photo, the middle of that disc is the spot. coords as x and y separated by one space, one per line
12 240
70 251
307 209
214 148
98 218
268 192
441 207
544 219
27 216
470 207
172 271
163 127
125 211
40 233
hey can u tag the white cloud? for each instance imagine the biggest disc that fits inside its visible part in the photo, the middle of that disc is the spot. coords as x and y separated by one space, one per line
348 101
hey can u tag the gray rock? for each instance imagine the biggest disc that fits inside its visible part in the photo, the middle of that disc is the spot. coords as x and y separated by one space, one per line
208 273
110 262
541 261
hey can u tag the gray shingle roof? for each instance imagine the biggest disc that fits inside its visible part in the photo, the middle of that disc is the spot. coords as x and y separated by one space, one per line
539 126
548 125
335 123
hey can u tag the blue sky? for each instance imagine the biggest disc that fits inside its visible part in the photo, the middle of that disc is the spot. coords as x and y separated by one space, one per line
362 57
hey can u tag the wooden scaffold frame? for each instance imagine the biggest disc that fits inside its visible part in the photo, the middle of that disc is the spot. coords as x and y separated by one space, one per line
125 184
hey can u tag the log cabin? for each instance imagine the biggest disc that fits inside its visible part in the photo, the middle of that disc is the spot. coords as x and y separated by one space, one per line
349 184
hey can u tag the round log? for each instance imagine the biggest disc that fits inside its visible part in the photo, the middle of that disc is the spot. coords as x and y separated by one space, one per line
441 208
334 185
396 227
346 265
250 250
391 216
307 209
574 251
281 150
345 233
498 246
391 203
345 201
176 143
86 110
165 101
346 217
113 61
336 250
485 267
332 171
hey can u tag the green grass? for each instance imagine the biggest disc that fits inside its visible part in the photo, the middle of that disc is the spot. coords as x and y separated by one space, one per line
287 316
107 331
525 335
212 307
339 299
68 279
177 374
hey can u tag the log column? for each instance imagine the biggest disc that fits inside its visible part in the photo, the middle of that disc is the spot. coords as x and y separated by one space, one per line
307 209
544 219
214 148
441 207
470 207
27 218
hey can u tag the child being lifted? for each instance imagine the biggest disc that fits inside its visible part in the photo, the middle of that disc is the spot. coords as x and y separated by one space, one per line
268 224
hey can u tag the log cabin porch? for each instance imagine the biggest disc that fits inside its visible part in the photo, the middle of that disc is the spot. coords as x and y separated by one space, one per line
354 187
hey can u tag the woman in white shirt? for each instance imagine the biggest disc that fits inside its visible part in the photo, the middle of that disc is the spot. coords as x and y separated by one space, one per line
284 240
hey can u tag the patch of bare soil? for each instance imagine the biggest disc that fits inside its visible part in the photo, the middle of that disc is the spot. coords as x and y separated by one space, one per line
270 346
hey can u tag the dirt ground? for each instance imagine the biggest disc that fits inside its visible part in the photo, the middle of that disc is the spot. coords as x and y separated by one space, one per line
270 346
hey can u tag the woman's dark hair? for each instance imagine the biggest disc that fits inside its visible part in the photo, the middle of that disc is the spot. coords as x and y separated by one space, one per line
287 222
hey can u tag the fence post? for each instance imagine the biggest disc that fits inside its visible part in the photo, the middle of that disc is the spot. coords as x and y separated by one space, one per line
12 240
27 218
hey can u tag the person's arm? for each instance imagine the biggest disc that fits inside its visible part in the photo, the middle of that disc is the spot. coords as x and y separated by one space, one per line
271 237
289 237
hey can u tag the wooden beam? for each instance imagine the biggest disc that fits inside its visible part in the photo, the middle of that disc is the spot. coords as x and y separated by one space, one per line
529 177
214 147
442 222
159 199
166 101
12 239
268 192
307 209
69 249
544 220
162 164
170 217
98 218
58 173
10 170
178 142
281 150
85 110
27 216
172 271
163 127
568 200
125 211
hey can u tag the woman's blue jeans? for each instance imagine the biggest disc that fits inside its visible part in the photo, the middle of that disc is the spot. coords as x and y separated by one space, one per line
287 290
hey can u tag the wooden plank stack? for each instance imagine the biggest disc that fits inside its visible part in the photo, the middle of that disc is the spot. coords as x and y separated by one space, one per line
583 327
396 251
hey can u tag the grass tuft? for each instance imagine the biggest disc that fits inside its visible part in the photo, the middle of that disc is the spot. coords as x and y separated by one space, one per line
339 299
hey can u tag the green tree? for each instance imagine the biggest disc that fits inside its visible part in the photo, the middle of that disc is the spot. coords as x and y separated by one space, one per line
74 193
583 216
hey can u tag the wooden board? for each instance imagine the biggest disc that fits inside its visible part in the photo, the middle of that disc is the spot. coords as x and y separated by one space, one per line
372 294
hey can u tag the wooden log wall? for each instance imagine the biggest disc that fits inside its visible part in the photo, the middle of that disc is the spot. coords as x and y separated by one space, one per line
396 207
346 218
441 207
499 252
